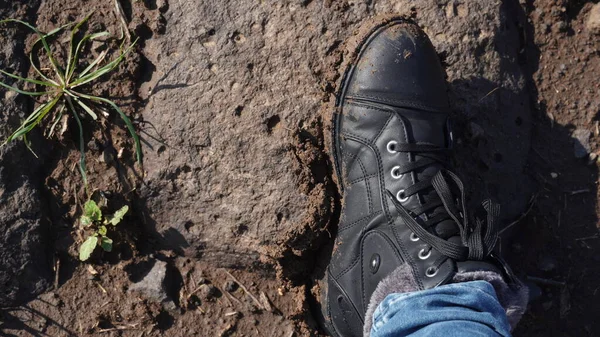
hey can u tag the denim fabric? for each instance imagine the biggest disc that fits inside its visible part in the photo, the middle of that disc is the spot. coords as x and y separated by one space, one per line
452 310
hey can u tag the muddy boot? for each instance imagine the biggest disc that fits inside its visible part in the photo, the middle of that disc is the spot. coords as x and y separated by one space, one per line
404 225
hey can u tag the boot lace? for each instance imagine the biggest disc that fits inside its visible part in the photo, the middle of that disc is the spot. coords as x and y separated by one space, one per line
478 237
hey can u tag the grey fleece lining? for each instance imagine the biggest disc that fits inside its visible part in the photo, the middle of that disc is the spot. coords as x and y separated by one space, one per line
513 299
401 280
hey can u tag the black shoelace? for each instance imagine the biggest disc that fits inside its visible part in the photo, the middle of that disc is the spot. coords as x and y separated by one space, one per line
478 239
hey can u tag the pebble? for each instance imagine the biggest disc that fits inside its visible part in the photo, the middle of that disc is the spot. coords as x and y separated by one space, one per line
592 158
593 21
554 175
154 285
581 146
230 286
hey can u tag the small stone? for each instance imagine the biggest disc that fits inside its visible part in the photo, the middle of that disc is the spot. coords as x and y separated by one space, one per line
593 21
592 158
207 292
547 264
154 286
230 286
581 146
554 175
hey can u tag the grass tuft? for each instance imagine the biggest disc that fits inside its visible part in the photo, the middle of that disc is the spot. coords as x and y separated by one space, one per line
61 88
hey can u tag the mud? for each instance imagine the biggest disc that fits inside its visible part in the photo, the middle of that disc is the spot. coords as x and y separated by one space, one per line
232 101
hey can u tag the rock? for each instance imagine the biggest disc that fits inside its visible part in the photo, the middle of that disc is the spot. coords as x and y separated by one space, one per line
154 286
554 175
593 21
581 145
230 286
547 264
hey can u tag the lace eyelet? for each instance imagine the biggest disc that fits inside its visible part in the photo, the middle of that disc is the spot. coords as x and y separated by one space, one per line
431 271
424 256
413 237
375 263
391 146
401 197
395 173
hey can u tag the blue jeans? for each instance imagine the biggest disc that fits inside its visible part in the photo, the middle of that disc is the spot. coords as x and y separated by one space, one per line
453 310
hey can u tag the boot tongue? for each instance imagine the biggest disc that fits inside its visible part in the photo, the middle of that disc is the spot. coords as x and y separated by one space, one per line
427 127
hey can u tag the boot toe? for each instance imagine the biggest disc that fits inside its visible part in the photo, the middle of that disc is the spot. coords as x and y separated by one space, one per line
399 66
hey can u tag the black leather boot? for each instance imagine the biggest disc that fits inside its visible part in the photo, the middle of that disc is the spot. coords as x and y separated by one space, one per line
404 220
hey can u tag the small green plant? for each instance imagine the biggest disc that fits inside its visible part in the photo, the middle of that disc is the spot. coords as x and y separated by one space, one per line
62 92
93 221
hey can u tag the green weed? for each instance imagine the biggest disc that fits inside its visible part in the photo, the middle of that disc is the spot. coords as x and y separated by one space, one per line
92 219
61 89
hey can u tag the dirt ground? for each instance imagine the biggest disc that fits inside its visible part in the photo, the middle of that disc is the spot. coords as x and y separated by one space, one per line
235 204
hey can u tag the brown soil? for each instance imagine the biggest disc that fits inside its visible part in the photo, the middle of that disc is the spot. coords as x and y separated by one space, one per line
559 232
